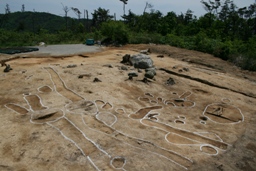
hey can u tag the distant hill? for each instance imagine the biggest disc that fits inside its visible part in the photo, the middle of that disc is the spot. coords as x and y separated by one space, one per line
34 21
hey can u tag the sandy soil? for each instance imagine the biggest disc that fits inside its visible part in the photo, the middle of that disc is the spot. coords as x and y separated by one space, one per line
54 116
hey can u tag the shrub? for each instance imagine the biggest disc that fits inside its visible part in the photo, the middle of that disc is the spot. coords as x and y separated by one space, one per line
115 30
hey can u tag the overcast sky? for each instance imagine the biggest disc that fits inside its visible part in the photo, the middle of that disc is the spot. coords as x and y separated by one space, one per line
115 6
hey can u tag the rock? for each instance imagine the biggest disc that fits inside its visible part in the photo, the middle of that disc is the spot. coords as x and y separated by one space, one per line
186 69
108 65
7 68
80 76
133 74
72 66
170 81
160 56
141 61
149 74
96 80
124 68
153 70
139 70
126 59
145 51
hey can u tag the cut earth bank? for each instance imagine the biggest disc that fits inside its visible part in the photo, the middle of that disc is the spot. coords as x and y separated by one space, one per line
83 113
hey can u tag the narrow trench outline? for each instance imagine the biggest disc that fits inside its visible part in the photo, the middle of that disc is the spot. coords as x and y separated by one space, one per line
65 86
221 145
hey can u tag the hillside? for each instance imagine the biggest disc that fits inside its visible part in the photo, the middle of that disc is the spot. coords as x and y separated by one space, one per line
34 21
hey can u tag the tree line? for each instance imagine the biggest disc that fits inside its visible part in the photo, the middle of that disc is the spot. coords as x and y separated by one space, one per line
225 30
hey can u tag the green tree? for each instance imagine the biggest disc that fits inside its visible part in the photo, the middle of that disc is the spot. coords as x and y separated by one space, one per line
100 15
117 31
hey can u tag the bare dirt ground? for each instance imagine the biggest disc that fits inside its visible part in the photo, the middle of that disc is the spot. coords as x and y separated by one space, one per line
55 117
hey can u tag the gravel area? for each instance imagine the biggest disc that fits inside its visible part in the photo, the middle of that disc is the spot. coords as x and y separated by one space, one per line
68 49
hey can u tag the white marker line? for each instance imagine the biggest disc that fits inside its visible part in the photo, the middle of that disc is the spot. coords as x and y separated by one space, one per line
97 117
40 100
44 86
177 129
16 105
108 104
207 145
65 86
120 109
147 113
182 117
67 138
223 123
54 85
187 95
118 157
178 120
149 94
94 165
131 137
97 110
96 145
202 134
223 100
55 120
197 142
95 101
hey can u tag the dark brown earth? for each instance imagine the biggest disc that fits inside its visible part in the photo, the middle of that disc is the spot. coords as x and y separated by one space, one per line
55 117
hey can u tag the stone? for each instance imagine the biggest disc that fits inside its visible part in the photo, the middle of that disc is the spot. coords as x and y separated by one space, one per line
80 76
149 74
145 51
7 68
133 74
170 81
160 56
126 59
72 66
186 69
108 65
141 61
124 68
96 80
153 70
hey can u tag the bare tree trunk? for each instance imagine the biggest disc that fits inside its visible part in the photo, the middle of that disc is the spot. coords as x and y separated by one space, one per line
87 20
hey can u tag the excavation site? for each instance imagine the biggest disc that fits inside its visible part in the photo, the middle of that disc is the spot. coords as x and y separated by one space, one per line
139 107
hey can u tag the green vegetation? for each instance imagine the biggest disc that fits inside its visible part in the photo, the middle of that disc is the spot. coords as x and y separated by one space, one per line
226 31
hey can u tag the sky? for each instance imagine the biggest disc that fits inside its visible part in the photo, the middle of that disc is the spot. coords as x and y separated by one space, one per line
114 6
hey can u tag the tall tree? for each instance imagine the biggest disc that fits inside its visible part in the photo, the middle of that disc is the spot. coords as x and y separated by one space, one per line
211 7
7 9
77 12
23 8
66 10
147 6
100 15
125 2
130 18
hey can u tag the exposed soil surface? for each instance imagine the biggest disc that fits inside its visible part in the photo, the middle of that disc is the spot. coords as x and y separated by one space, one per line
197 114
